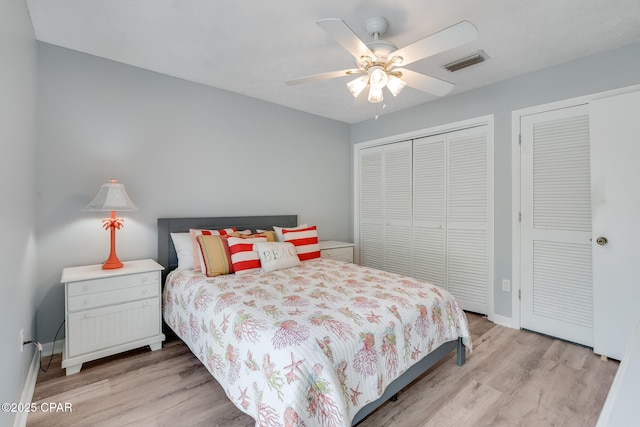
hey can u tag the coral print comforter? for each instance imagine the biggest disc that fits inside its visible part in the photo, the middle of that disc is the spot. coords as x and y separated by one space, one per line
309 345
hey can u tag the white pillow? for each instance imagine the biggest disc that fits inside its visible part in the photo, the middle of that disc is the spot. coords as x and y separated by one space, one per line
276 255
278 231
184 250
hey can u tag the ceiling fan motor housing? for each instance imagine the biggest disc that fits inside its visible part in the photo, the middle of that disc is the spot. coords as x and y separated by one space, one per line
377 26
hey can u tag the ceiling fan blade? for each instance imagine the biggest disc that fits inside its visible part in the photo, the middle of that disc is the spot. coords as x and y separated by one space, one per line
324 76
426 83
457 35
341 32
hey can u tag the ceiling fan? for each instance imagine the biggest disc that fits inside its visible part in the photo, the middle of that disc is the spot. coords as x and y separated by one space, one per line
378 62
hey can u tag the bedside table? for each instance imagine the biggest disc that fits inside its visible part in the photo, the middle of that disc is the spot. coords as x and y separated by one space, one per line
110 311
334 249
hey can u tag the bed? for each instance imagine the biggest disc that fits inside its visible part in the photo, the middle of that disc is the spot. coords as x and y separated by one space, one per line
323 343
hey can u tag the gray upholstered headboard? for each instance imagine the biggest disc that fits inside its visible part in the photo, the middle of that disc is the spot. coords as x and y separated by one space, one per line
166 252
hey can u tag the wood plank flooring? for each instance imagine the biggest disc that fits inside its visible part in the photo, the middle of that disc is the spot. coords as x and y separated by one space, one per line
513 378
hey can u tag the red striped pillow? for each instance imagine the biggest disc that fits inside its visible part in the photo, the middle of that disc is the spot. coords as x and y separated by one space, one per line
305 240
243 257
194 233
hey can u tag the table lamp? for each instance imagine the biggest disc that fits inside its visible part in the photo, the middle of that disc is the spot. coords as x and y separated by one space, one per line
112 197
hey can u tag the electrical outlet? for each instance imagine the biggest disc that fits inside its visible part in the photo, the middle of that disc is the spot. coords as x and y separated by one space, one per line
21 340
506 285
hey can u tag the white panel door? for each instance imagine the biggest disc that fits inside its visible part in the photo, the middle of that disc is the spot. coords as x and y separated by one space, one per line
397 207
556 273
615 169
430 209
425 211
371 208
385 207
468 218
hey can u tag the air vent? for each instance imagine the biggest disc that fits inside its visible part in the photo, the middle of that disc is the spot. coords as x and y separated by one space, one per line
467 61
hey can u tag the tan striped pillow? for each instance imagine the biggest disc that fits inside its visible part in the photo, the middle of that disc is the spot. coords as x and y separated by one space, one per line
194 233
270 235
216 258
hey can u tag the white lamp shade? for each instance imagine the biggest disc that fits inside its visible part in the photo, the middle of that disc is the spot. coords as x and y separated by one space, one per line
111 197
375 94
378 77
357 86
395 85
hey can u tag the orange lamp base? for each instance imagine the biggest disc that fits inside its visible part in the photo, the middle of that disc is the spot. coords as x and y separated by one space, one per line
112 262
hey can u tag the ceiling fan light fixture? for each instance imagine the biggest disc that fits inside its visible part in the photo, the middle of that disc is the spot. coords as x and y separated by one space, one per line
375 94
378 77
395 85
376 60
357 86
396 60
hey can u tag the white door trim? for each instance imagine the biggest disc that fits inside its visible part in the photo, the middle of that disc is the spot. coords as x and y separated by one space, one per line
516 116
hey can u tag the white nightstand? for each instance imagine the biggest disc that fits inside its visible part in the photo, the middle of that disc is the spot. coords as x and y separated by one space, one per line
110 311
333 249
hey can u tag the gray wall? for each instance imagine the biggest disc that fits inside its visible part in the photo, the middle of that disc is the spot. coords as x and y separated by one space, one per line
609 70
18 67
180 149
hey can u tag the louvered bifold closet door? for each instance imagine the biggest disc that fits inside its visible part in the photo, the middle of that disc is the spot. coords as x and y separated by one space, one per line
556 225
371 208
397 166
468 218
429 209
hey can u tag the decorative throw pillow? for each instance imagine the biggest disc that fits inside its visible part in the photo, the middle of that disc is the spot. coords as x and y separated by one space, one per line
270 235
194 233
243 257
216 257
305 240
276 255
184 250
278 230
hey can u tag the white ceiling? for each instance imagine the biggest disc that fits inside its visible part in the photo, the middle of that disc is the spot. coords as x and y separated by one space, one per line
252 47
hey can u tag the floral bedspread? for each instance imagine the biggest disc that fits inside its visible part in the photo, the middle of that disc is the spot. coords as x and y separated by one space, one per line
310 345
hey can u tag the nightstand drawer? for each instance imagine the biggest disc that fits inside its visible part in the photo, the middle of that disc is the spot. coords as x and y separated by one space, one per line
104 284
99 299
340 254
106 327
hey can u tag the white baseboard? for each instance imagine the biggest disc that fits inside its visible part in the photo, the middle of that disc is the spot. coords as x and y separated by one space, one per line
502 320
620 408
46 348
27 391
32 378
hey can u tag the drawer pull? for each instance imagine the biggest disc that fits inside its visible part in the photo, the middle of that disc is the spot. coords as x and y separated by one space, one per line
144 304
144 291
86 287
87 315
144 279
87 301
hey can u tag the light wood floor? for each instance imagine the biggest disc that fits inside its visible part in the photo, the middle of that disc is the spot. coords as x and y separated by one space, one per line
513 378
